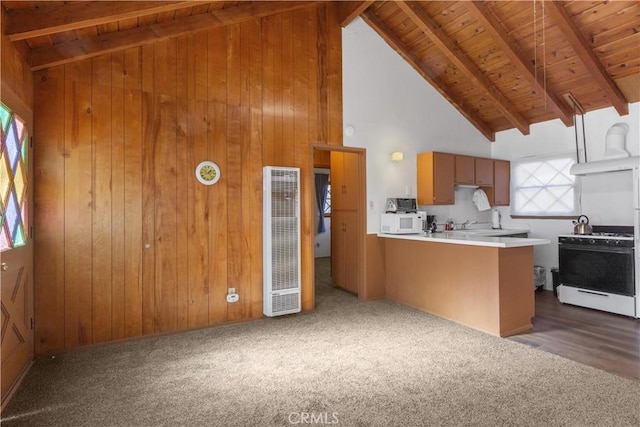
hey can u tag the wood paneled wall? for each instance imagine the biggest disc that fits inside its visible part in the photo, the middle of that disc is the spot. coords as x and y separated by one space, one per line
15 73
128 243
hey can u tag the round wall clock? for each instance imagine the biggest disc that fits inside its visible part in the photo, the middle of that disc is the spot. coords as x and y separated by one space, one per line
207 172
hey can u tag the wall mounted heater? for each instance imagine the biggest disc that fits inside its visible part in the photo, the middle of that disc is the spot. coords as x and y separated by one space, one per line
281 240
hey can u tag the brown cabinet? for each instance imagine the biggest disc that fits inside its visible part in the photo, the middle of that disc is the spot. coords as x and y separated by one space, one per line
501 183
345 247
345 191
346 227
435 178
483 172
464 170
438 173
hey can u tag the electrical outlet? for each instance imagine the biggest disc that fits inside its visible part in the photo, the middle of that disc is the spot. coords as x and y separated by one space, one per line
231 291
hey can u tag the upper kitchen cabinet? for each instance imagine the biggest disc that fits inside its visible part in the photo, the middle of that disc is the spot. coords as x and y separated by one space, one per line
436 178
464 170
345 189
473 171
501 183
483 172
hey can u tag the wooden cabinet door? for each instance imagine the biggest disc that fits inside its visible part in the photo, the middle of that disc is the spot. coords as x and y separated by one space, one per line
337 181
351 173
502 182
443 179
345 249
464 170
345 189
435 178
484 172
337 248
352 246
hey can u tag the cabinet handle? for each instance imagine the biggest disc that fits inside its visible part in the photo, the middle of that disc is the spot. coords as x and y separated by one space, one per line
5 266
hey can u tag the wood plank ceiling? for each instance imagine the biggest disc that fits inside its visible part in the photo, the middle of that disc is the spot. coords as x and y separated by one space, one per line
502 64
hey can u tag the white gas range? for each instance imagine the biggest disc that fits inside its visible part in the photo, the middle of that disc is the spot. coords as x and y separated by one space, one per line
598 270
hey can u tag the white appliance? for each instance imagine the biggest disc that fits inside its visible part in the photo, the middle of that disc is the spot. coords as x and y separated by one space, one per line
598 270
281 241
607 165
401 223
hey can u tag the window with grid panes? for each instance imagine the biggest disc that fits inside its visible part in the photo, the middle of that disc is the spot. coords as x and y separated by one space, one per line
544 187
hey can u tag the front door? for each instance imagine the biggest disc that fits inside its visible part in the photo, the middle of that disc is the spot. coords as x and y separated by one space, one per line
16 251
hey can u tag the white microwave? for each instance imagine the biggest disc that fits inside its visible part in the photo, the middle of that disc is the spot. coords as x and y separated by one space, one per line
401 223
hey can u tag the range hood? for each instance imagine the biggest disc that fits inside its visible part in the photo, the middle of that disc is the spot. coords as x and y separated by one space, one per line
602 166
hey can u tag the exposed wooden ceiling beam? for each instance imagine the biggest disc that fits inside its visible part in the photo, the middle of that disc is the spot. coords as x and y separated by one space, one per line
449 48
394 41
49 56
35 22
500 36
584 51
350 10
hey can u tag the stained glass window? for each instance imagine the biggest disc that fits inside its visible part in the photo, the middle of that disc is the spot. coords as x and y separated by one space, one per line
13 180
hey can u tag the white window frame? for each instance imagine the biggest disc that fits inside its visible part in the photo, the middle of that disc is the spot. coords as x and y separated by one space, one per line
545 186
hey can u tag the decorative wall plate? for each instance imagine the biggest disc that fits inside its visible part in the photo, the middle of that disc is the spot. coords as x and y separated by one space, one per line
207 172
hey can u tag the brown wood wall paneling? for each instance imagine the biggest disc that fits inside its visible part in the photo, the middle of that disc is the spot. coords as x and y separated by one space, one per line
16 73
129 243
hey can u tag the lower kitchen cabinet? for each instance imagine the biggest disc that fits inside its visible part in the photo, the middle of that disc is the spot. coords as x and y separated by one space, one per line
345 247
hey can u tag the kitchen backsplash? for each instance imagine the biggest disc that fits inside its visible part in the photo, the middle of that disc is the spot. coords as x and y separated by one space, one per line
463 210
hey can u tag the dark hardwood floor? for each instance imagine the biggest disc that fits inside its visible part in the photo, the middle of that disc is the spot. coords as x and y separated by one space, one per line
603 340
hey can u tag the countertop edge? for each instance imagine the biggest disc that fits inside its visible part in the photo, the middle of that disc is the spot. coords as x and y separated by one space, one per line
495 242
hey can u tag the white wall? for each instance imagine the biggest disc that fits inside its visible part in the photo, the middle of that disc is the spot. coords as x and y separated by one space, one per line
607 199
392 108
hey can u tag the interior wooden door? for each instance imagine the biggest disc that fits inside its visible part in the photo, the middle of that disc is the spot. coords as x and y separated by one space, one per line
16 251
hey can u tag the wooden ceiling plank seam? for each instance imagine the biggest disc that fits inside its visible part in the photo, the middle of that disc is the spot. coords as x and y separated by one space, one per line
49 56
27 23
514 53
453 52
350 10
392 39
583 50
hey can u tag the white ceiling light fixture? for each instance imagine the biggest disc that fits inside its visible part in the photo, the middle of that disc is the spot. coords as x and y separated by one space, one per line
397 156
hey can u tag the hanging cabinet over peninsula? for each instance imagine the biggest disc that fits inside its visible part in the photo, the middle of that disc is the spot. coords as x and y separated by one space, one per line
435 178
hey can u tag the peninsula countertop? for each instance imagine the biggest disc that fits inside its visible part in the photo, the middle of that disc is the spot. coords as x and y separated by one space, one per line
472 239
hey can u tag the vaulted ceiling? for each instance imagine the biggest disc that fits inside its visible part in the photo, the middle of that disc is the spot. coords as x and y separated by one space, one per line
502 64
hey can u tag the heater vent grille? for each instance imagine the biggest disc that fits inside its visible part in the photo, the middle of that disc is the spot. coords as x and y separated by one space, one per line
281 240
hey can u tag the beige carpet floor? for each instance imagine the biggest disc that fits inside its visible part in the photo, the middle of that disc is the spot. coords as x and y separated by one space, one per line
349 363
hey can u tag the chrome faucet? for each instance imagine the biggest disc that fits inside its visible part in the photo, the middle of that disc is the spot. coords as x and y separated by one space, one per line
467 223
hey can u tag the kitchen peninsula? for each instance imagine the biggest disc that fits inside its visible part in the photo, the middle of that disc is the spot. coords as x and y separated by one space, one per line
482 282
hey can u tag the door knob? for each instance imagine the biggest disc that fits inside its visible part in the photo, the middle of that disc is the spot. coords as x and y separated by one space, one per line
5 266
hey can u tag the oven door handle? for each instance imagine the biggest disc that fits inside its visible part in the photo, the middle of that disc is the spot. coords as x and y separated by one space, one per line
600 294
595 248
